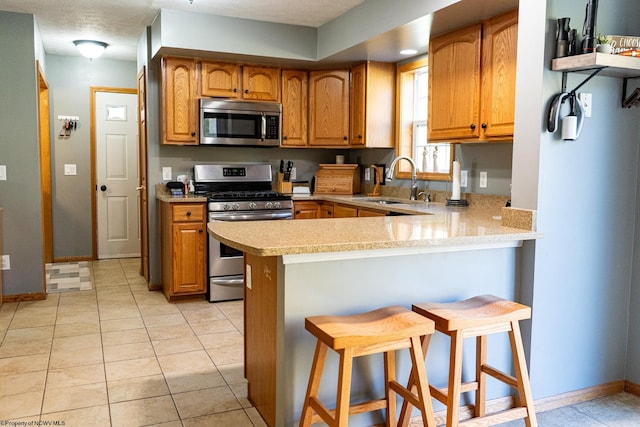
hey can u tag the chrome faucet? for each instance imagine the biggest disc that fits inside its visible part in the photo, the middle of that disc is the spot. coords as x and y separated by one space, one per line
414 185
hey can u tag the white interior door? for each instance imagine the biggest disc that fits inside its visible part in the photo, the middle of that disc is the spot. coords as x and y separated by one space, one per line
117 175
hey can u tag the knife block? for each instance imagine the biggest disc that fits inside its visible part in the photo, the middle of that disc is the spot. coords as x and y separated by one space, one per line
284 186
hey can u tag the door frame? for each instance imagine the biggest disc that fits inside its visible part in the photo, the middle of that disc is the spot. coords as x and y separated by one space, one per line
143 172
44 142
93 182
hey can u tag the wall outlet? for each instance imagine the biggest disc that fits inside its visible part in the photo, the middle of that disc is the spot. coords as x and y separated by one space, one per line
464 177
585 100
6 262
166 173
293 173
3 172
367 174
483 179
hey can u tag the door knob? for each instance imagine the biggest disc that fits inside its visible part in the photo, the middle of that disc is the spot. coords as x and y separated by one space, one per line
140 188
103 188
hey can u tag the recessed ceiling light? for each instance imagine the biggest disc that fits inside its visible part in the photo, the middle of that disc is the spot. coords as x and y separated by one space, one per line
408 52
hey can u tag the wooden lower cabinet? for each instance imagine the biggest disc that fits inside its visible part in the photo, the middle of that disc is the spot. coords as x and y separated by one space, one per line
371 212
306 210
183 238
343 211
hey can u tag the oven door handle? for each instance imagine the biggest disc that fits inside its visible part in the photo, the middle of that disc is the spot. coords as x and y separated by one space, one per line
264 126
228 282
254 216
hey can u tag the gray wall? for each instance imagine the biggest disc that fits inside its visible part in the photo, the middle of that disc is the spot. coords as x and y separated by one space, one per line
19 151
586 201
70 79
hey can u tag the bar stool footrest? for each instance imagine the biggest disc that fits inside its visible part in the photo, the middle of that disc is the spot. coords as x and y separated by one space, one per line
497 417
323 414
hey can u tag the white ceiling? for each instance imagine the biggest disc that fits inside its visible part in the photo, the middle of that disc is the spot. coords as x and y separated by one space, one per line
120 23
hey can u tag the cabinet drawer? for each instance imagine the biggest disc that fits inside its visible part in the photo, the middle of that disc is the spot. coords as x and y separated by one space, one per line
188 212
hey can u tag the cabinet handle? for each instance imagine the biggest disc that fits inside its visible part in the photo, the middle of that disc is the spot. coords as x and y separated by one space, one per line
297 212
472 127
484 126
285 137
345 138
235 89
359 136
200 231
188 213
246 91
193 134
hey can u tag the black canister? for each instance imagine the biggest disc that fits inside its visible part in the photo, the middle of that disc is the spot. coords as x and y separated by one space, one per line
573 42
562 37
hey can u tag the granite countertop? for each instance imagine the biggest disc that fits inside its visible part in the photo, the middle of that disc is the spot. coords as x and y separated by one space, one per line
426 225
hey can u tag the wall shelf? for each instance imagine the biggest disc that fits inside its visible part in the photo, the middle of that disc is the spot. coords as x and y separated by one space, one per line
603 64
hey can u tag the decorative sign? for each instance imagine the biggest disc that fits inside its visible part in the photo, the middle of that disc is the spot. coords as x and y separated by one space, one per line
625 43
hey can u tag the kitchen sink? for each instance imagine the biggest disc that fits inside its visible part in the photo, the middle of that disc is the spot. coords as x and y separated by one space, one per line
380 201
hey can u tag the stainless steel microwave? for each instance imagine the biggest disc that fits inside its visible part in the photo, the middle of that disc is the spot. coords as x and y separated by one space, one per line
245 123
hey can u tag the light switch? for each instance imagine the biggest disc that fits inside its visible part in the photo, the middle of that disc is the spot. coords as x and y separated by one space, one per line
70 169
166 173
3 172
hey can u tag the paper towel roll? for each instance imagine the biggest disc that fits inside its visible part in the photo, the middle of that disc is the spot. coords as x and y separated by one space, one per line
455 193
570 127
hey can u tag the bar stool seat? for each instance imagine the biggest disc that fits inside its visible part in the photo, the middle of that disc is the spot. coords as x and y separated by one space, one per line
478 317
379 331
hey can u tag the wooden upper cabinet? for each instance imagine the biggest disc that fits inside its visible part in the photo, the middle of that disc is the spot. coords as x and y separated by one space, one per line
499 50
472 75
179 106
454 85
220 79
329 108
261 83
295 105
372 105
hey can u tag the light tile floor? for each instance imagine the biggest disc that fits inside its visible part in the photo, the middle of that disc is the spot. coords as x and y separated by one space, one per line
119 355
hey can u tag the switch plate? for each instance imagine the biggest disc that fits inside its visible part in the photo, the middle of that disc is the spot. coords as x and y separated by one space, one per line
166 173
585 100
464 176
3 172
6 262
483 179
70 169
367 174
293 173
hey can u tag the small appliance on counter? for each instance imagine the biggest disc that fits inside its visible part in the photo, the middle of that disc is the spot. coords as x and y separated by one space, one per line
337 179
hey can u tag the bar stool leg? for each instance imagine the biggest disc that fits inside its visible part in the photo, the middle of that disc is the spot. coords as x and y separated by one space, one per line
390 375
417 358
314 382
520 364
480 409
455 379
405 412
344 387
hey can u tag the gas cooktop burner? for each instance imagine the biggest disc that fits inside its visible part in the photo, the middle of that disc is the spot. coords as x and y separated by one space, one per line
246 195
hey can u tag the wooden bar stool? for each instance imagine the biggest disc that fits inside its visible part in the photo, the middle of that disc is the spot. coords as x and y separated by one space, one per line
478 317
384 330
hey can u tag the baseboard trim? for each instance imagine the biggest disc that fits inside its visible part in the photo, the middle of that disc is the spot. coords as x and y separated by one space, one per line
548 403
73 259
632 388
38 296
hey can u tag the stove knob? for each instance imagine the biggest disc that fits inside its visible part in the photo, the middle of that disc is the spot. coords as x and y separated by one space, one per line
276 205
235 206
252 205
268 205
225 207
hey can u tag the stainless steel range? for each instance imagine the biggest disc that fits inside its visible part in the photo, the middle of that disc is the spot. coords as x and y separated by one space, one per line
236 192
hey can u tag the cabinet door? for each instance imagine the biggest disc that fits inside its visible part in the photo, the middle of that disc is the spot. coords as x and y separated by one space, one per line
220 79
357 105
342 211
189 257
454 85
180 115
261 83
295 105
499 49
370 212
329 108
326 209
305 210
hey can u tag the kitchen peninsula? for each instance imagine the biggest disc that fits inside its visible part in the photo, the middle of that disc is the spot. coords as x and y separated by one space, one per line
310 267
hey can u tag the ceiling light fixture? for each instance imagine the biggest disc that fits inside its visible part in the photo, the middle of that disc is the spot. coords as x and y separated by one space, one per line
90 48
408 52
